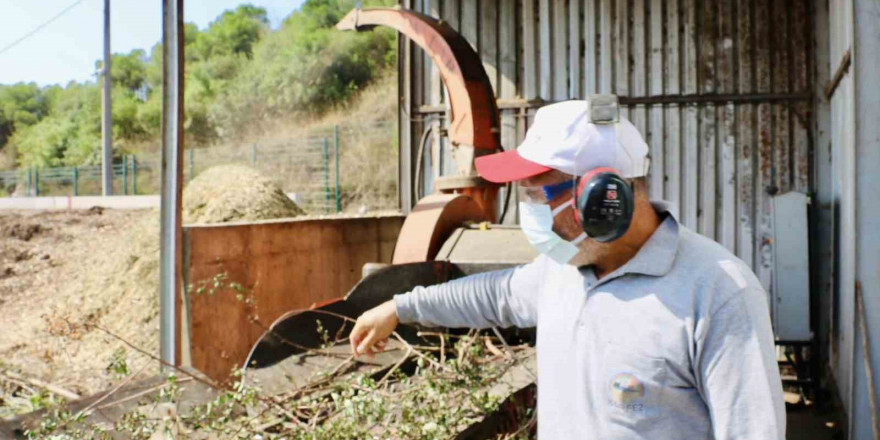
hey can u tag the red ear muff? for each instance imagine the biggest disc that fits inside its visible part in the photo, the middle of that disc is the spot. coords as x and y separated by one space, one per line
604 204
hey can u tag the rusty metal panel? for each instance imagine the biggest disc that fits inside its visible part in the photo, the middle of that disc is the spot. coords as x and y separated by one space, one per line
545 46
606 28
707 75
690 152
621 46
559 57
745 163
575 41
488 40
529 57
281 265
451 13
672 113
591 46
638 78
764 167
800 40
725 223
508 79
657 131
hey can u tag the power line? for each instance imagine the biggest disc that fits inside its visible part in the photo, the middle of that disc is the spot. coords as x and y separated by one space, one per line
40 27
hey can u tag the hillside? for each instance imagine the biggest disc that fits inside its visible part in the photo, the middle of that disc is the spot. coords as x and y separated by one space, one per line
245 81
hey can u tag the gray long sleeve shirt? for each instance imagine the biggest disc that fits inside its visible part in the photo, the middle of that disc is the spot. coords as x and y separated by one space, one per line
675 344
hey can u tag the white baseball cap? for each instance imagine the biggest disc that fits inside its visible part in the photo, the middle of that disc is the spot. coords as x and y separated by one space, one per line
565 137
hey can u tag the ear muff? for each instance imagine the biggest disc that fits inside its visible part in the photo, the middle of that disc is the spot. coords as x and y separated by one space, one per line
604 204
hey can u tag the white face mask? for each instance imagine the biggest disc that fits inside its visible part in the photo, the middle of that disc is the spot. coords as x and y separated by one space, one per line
536 221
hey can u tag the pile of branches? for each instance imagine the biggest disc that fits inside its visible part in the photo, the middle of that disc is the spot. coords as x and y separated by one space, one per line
428 392
20 394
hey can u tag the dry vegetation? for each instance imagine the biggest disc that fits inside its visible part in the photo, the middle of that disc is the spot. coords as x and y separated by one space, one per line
368 150
368 145
63 275
62 270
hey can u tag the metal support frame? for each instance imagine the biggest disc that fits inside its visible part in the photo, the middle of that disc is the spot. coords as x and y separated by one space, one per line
713 98
107 112
171 233
336 164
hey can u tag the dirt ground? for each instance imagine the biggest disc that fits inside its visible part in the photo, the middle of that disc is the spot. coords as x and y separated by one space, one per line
48 282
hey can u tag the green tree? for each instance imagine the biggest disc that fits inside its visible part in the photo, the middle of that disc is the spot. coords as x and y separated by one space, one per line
129 71
305 67
21 105
70 134
239 72
234 32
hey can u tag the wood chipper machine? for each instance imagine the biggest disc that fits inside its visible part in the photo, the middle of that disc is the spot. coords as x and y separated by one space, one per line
448 234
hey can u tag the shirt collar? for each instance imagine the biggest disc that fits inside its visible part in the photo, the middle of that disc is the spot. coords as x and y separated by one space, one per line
657 255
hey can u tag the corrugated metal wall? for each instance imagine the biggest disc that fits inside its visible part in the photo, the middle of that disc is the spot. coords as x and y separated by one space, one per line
721 91
849 186
843 181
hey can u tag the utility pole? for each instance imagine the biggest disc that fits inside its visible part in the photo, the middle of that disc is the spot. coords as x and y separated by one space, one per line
107 108
170 230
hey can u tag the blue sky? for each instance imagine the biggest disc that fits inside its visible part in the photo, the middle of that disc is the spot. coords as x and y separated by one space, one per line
67 49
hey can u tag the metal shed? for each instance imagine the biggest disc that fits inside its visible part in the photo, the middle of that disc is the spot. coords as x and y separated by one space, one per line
739 100
721 91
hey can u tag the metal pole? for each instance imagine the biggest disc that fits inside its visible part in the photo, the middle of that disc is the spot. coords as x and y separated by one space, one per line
75 181
326 171
336 165
107 117
125 175
134 175
30 185
171 234
37 182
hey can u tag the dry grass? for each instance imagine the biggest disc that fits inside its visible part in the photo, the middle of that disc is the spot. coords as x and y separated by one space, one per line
368 146
103 267
288 152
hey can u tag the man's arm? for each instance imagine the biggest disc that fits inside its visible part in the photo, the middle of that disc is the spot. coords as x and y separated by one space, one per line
503 298
737 372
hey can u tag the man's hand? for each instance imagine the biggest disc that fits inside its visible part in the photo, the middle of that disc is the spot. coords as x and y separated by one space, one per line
372 329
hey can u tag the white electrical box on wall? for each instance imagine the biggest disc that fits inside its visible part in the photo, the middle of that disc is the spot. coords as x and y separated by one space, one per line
790 305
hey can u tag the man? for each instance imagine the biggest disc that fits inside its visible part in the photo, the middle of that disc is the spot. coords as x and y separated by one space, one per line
658 333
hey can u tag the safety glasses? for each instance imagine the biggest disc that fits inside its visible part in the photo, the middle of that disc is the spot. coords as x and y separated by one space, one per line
545 194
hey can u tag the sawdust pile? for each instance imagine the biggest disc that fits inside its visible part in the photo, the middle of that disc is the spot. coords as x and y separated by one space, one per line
106 272
228 193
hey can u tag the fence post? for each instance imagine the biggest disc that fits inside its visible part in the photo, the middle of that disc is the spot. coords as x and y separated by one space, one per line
29 190
326 171
336 165
124 175
75 181
192 163
254 155
36 182
134 175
